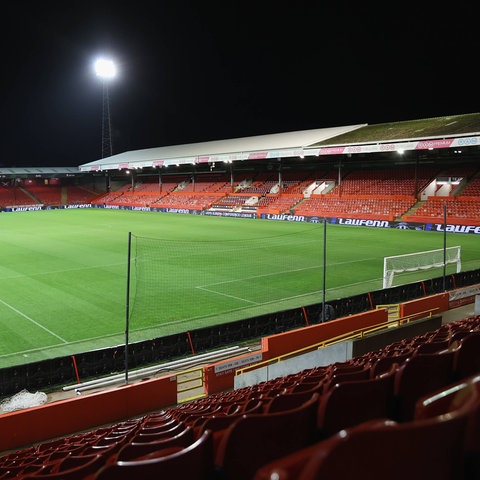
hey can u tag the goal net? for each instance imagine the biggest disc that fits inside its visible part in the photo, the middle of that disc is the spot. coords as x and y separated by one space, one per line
179 285
411 262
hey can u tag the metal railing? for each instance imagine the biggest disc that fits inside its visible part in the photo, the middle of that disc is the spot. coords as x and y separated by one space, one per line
352 335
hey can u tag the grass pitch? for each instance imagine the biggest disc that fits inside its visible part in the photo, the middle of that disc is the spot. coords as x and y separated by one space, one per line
63 273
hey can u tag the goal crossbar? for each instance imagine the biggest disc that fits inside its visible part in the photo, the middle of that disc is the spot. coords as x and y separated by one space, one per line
411 262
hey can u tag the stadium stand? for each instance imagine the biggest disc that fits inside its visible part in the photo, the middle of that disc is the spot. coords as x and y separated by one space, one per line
462 210
410 194
296 426
307 424
32 193
11 195
472 189
406 194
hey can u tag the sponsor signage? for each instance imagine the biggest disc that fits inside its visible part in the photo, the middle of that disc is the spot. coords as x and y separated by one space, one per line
234 364
463 296
439 227
357 222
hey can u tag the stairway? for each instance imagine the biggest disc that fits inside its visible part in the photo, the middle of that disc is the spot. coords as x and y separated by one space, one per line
412 209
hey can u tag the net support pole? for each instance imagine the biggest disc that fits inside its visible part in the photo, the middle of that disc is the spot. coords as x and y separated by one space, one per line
444 246
324 267
127 305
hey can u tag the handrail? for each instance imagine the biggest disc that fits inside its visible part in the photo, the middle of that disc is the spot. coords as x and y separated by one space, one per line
359 333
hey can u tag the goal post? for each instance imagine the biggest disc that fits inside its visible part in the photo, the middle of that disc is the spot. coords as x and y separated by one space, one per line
411 262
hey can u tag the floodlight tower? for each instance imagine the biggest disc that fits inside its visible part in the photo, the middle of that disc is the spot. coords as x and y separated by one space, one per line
106 70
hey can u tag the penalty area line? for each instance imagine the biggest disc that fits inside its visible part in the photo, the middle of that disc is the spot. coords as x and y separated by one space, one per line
226 295
33 321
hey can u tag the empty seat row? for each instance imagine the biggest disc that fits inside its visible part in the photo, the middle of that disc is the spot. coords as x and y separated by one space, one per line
238 433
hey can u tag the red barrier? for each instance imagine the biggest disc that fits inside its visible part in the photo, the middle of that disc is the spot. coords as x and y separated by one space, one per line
220 376
57 419
282 343
435 304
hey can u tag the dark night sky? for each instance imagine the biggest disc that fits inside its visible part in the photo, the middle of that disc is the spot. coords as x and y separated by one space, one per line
193 71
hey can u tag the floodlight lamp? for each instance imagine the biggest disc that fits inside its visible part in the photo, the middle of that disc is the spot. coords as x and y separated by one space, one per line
105 68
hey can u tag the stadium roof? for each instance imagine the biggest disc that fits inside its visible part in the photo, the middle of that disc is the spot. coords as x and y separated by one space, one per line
455 131
426 134
40 171
290 144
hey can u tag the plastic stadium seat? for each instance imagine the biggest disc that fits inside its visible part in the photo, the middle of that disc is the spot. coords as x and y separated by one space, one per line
105 451
344 375
21 471
194 462
75 469
219 423
134 450
380 449
434 346
384 363
307 386
152 426
256 439
465 395
287 401
467 358
156 417
350 403
420 375
153 434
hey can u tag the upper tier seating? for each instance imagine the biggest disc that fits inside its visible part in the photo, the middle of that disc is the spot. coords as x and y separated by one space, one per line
353 207
406 181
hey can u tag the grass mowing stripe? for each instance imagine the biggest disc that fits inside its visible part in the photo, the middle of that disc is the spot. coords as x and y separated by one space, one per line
67 270
33 321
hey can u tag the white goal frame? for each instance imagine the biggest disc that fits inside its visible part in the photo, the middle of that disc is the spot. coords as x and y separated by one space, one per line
411 262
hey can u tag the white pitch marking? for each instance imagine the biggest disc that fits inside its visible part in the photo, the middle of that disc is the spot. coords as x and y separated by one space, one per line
33 321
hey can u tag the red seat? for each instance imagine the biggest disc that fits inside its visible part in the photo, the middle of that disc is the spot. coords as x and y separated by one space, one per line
77 468
350 403
384 364
152 434
219 423
467 358
380 449
194 462
160 426
420 375
259 438
287 401
429 449
460 395
134 450
340 376
433 346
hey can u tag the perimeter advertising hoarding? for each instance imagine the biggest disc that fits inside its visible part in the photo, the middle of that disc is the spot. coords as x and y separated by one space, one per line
357 222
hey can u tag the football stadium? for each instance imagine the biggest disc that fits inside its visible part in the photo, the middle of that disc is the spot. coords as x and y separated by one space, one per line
249 308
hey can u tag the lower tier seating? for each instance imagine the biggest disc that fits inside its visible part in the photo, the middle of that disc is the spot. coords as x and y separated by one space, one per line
408 410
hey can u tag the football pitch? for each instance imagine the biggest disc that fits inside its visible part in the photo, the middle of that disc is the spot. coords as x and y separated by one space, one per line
64 273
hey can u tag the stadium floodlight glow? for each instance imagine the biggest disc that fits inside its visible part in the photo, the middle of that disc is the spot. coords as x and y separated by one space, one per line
106 70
